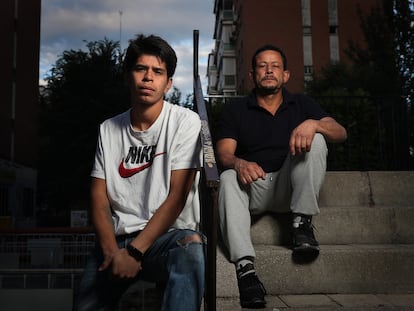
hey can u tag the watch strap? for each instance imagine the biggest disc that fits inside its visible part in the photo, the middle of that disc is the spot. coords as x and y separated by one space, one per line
134 252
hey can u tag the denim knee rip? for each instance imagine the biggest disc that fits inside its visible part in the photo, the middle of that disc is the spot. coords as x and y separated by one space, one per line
191 239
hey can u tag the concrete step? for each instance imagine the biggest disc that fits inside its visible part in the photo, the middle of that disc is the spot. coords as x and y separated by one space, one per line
366 232
327 302
340 269
343 225
373 188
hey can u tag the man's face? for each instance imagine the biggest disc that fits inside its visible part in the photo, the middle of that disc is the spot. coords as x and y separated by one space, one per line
148 81
269 75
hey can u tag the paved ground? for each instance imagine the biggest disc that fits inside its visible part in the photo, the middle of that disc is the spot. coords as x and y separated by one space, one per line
336 302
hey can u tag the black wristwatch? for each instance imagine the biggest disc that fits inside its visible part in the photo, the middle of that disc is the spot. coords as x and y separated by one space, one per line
134 252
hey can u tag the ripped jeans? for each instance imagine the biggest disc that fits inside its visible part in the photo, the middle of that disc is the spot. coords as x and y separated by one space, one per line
176 261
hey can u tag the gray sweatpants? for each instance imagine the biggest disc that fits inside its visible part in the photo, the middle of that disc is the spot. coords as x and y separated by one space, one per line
294 188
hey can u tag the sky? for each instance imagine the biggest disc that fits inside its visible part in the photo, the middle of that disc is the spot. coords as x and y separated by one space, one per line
66 25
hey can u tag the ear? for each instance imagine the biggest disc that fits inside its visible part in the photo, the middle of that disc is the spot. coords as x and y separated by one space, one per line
251 75
168 86
286 76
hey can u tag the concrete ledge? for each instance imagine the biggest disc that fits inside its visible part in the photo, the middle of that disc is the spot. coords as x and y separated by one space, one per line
341 269
345 189
328 302
343 225
392 188
388 188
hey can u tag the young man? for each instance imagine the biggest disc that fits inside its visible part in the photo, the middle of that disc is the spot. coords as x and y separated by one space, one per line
145 204
271 145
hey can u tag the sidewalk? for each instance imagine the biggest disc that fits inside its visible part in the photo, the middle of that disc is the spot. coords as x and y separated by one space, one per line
336 302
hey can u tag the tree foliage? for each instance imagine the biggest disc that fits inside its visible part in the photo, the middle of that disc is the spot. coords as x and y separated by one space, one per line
83 89
377 89
175 97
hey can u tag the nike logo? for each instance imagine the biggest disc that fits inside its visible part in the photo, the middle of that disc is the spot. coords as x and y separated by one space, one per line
128 172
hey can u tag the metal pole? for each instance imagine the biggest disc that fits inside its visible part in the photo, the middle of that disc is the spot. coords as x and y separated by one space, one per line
195 54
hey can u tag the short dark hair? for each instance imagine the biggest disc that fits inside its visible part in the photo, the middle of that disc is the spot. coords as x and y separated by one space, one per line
151 45
269 47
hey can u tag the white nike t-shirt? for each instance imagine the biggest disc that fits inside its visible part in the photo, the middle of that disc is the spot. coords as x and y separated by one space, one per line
137 166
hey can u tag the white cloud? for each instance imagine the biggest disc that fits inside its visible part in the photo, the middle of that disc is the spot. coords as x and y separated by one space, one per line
68 24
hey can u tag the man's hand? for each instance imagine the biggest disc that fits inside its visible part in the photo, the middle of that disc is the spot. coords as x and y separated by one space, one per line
106 263
123 265
302 137
248 172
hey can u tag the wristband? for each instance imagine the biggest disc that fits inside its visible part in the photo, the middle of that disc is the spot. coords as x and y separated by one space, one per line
134 252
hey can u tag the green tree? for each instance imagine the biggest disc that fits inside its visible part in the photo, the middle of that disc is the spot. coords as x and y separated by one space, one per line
83 89
175 97
386 69
401 20
403 25
377 86
376 66
340 95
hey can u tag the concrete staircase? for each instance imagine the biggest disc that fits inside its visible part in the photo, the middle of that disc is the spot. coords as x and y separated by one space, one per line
366 233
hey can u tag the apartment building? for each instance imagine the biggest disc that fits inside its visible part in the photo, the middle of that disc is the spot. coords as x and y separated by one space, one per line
313 34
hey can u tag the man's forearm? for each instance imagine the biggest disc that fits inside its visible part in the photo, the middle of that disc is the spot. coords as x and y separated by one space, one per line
228 160
102 217
104 229
332 130
165 216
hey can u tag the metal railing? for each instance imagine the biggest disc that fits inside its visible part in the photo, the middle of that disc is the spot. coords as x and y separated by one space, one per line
45 250
39 278
43 258
209 188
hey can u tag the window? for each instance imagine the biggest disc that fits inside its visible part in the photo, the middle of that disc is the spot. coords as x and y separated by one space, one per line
308 70
229 80
307 30
333 29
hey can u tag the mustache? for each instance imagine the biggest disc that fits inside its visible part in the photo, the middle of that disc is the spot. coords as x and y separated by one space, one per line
269 78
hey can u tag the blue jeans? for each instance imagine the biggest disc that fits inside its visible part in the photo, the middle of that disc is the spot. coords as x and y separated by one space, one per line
173 262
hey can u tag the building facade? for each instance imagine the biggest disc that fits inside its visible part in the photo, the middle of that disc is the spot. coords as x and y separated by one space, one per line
19 89
312 33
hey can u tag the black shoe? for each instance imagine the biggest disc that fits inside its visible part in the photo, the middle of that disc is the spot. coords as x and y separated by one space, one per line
251 290
305 246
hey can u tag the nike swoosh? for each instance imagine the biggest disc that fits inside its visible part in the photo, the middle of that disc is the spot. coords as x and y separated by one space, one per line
128 172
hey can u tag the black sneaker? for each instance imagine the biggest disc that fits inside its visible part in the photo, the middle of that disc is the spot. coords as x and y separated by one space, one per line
305 246
251 290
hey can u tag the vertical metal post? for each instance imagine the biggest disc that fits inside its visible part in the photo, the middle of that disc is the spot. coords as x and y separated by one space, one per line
195 53
208 188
